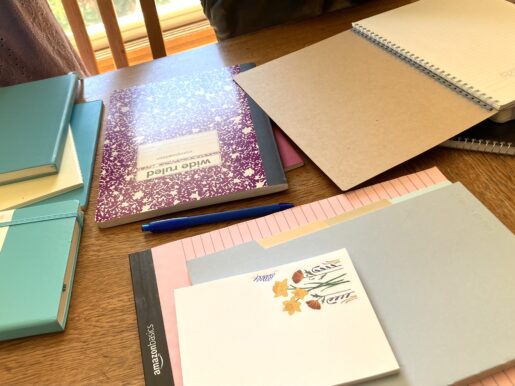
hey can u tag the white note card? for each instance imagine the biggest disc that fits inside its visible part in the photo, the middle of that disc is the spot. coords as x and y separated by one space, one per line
305 323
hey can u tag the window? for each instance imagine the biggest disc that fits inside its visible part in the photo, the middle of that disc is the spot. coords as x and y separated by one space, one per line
172 14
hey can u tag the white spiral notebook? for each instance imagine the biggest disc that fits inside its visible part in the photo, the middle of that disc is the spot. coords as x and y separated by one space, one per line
467 45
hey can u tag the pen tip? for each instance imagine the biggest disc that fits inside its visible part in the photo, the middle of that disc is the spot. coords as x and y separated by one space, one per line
285 205
145 227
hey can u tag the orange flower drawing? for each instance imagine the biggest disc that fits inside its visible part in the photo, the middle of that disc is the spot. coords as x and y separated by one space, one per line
314 304
281 288
291 306
297 276
300 293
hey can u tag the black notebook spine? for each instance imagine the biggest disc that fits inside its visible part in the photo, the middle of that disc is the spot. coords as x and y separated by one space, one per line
154 349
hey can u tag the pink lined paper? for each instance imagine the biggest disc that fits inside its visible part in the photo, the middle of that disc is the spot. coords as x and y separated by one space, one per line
170 259
300 215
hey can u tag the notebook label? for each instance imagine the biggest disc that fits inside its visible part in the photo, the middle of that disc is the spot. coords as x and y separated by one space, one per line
5 216
178 155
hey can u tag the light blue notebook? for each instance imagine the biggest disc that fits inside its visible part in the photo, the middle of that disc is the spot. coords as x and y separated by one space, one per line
34 119
38 252
85 124
438 270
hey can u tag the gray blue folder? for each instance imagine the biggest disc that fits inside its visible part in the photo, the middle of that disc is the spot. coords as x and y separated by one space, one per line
439 270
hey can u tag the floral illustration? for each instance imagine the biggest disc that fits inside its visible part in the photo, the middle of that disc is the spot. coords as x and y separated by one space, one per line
323 285
291 306
314 304
300 293
281 288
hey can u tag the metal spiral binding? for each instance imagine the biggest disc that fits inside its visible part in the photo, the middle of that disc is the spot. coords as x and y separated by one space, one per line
434 72
484 145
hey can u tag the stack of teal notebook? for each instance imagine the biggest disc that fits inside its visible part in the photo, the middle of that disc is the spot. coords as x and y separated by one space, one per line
46 162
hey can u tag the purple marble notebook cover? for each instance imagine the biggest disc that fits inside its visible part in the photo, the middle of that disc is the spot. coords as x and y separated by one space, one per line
182 108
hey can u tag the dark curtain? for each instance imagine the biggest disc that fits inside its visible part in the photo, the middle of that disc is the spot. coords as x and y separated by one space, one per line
32 43
231 18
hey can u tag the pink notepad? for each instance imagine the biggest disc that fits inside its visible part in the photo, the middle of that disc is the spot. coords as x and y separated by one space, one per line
289 155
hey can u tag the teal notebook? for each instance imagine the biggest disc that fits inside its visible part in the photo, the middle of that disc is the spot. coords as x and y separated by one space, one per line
85 124
38 252
34 118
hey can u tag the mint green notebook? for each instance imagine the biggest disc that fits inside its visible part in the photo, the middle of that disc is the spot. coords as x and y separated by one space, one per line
85 124
34 118
38 252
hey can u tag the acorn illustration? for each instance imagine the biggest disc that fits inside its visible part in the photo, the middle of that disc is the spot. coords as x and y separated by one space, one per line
314 304
297 276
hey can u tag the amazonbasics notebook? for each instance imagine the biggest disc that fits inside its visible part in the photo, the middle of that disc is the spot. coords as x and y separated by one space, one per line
158 271
38 252
192 141
34 119
356 110
305 323
438 269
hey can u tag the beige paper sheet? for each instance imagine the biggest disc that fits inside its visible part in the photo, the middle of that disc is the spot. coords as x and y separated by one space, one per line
355 109
469 42
69 177
283 237
292 234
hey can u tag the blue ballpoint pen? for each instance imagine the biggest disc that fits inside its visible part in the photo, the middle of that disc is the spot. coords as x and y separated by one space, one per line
177 223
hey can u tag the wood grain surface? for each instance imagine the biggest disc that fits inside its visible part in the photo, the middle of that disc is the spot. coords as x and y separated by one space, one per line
100 345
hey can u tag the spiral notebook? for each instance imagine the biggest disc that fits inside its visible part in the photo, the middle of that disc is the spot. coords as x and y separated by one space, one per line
356 110
468 45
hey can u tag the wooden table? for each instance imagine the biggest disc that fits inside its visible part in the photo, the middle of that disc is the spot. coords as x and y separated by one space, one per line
100 345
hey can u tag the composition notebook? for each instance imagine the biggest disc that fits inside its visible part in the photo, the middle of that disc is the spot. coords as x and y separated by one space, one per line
34 119
38 252
191 141
306 323
468 44
438 269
